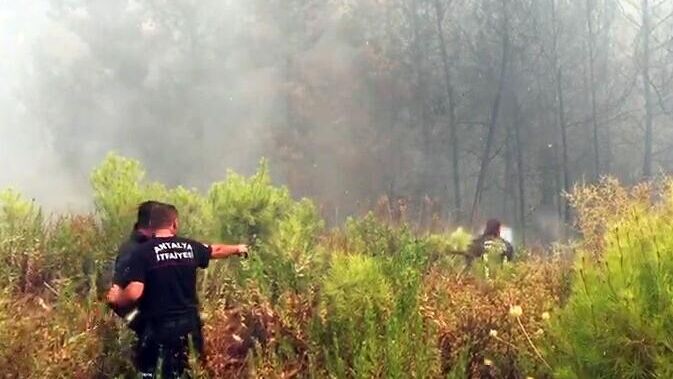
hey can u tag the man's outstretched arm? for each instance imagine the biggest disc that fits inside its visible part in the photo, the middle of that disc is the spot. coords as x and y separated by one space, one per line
220 251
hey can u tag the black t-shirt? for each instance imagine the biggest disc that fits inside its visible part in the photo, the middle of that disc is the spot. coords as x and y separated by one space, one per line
122 267
167 267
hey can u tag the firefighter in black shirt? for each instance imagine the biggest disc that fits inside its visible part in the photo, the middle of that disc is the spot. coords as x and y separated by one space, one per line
163 282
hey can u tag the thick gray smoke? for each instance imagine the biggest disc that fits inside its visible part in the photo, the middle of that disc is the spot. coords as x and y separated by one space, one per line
167 84
29 161
454 109
189 88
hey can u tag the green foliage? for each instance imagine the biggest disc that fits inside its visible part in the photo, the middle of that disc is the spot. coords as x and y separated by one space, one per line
458 240
300 305
372 326
248 208
73 251
447 250
372 237
407 333
354 285
283 233
117 191
459 370
21 234
196 214
617 322
18 216
119 185
398 250
357 298
291 259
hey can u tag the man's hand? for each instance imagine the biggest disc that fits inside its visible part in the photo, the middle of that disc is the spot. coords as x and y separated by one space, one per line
113 295
243 250
120 298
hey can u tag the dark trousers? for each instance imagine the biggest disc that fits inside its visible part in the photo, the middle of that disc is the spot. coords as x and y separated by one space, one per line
165 345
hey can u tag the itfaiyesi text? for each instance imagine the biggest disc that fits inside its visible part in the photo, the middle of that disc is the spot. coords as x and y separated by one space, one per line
179 250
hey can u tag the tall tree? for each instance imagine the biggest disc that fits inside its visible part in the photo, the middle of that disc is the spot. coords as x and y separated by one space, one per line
647 94
451 102
560 109
486 154
591 40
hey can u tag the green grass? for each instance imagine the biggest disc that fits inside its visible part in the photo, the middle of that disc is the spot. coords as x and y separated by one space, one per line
363 300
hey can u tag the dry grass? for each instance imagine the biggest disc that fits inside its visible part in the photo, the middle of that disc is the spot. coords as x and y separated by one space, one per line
475 315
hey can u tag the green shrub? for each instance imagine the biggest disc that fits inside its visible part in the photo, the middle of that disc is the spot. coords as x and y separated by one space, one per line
372 237
290 259
117 190
447 250
357 299
21 236
396 247
73 251
457 241
355 284
119 186
371 325
196 215
617 323
283 234
246 209
397 305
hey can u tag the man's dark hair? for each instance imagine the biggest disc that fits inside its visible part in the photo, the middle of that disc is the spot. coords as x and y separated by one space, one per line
492 228
145 214
163 215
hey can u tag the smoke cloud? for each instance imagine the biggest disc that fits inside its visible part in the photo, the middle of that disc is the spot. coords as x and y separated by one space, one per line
464 110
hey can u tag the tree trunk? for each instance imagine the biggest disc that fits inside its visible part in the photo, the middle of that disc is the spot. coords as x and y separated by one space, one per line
394 158
608 152
605 42
558 169
455 158
507 182
561 113
419 84
564 143
521 180
546 155
647 163
485 157
592 89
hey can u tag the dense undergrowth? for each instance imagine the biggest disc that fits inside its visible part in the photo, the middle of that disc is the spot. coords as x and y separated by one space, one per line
366 300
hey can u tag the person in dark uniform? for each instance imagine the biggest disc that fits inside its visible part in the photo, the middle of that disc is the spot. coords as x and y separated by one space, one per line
492 243
141 233
163 283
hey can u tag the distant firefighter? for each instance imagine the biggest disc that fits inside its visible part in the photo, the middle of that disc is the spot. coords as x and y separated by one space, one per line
491 242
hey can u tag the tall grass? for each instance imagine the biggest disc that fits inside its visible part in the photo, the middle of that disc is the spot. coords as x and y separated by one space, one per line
367 299
617 322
